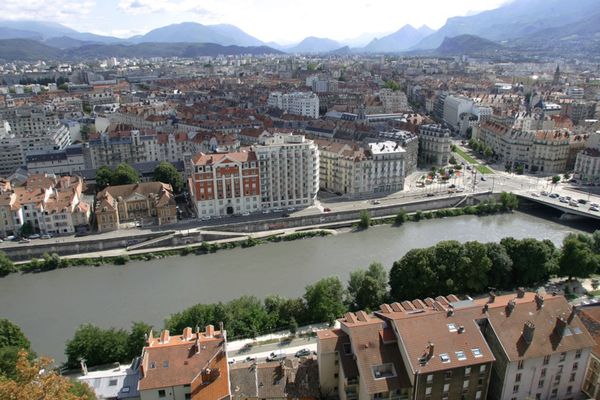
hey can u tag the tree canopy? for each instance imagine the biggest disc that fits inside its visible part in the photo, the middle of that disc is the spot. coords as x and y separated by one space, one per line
577 257
367 289
324 299
166 172
97 346
12 340
6 265
124 174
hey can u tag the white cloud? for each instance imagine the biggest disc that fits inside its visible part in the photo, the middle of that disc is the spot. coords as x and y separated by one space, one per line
42 10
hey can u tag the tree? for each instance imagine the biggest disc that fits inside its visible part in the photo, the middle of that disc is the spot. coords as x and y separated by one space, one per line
413 276
103 177
12 340
124 174
474 273
500 275
293 326
392 84
519 169
365 220
6 265
533 260
452 160
97 346
247 318
166 172
555 179
577 258
509 201
136 339
401 217
324 299
26 229
367 290
37 380
488 152
567 176
596 242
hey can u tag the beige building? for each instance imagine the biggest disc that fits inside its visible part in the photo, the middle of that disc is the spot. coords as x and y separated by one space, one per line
590 316
434 145
188 366
143 203
587 164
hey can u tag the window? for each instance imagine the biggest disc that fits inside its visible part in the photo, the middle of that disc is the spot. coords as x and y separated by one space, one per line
482 369
478 395
554 392
543 372
476 352
161 393
445 358
575 366
546 360
518 377
166 364
452 327
516 389
563 356
446 388
465 384
467 371
428 390
578 354
572 377
448 375
541 383
188 396
538 396
112 382
520 365
429 378
569 389
461 355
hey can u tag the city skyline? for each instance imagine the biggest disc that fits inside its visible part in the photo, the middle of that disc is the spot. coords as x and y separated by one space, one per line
126 18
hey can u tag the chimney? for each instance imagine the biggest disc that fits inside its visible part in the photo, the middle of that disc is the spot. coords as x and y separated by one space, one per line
520 292
485 308
461 329
450 311
209 331
559 328
187 333
492 297
164 336
150 338
430 348
539 300
528 330
197 344
571 314
510 306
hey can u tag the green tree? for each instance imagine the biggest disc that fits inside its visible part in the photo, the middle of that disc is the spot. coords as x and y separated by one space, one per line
166 172
97 346
103 177
325 299
392 84
555 179
367 289
509 201
577 258
293 326
26 229
81 390
414 275
12 340
124 174
365 220
6 265
488 152
449 258
136 339
501 273
247 317
452 160
401 217
596 242
533 260
473 276
519 169
198 315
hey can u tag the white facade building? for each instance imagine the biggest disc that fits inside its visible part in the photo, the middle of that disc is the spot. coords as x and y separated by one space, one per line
388 166
297 103
289 171
587 164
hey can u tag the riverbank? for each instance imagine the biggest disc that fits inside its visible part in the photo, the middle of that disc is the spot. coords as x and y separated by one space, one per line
53 261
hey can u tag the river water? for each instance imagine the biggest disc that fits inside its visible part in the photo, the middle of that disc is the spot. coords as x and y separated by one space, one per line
50 306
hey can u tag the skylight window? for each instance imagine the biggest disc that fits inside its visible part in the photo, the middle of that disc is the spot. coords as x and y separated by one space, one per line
461 355
452 327
445 357
476 352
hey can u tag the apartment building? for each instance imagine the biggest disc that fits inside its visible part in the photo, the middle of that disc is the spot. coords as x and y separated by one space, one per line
289 170
145 203
434 145
188 366
29 120
587 164
129 146
541 347
67 161
393 101
590 316
537 151
503 347
297 103
453 107
225 183
344 168
388 166
50 204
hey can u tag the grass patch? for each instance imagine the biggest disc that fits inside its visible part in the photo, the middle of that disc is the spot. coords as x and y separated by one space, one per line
464 155
594 293
484 169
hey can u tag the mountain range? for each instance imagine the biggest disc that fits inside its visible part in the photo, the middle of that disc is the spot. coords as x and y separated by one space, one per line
538 26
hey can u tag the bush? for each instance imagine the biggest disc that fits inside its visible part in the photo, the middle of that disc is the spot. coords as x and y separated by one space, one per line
365 220
400 218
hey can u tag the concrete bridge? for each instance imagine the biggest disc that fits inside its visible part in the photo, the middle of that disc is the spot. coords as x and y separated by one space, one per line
583 210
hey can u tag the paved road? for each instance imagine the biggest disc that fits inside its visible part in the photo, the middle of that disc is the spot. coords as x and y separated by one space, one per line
261 351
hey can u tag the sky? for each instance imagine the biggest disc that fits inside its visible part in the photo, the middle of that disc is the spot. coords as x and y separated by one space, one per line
282 21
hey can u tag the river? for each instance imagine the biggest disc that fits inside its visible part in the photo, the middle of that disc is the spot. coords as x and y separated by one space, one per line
50 306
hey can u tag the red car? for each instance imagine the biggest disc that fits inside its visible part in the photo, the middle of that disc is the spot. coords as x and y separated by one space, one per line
326 209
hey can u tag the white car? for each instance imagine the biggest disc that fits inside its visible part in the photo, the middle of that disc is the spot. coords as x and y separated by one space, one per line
246 214
594 208
266 211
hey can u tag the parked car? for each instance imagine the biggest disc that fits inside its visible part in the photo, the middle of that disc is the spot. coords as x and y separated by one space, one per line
285 215
376 202
563 200
11 237
246 214
534 194
327 209
46 236
582 201
24 240
266 211
594 208
291 209
303 353
483 178
594 205
276 357
573 203
250 358
544 193
452 186
277 210
34 236
554 196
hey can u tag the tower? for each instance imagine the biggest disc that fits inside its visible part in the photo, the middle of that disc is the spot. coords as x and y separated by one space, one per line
556 80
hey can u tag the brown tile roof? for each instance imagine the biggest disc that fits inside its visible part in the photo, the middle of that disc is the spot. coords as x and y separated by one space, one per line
590 316
509 325
197 360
